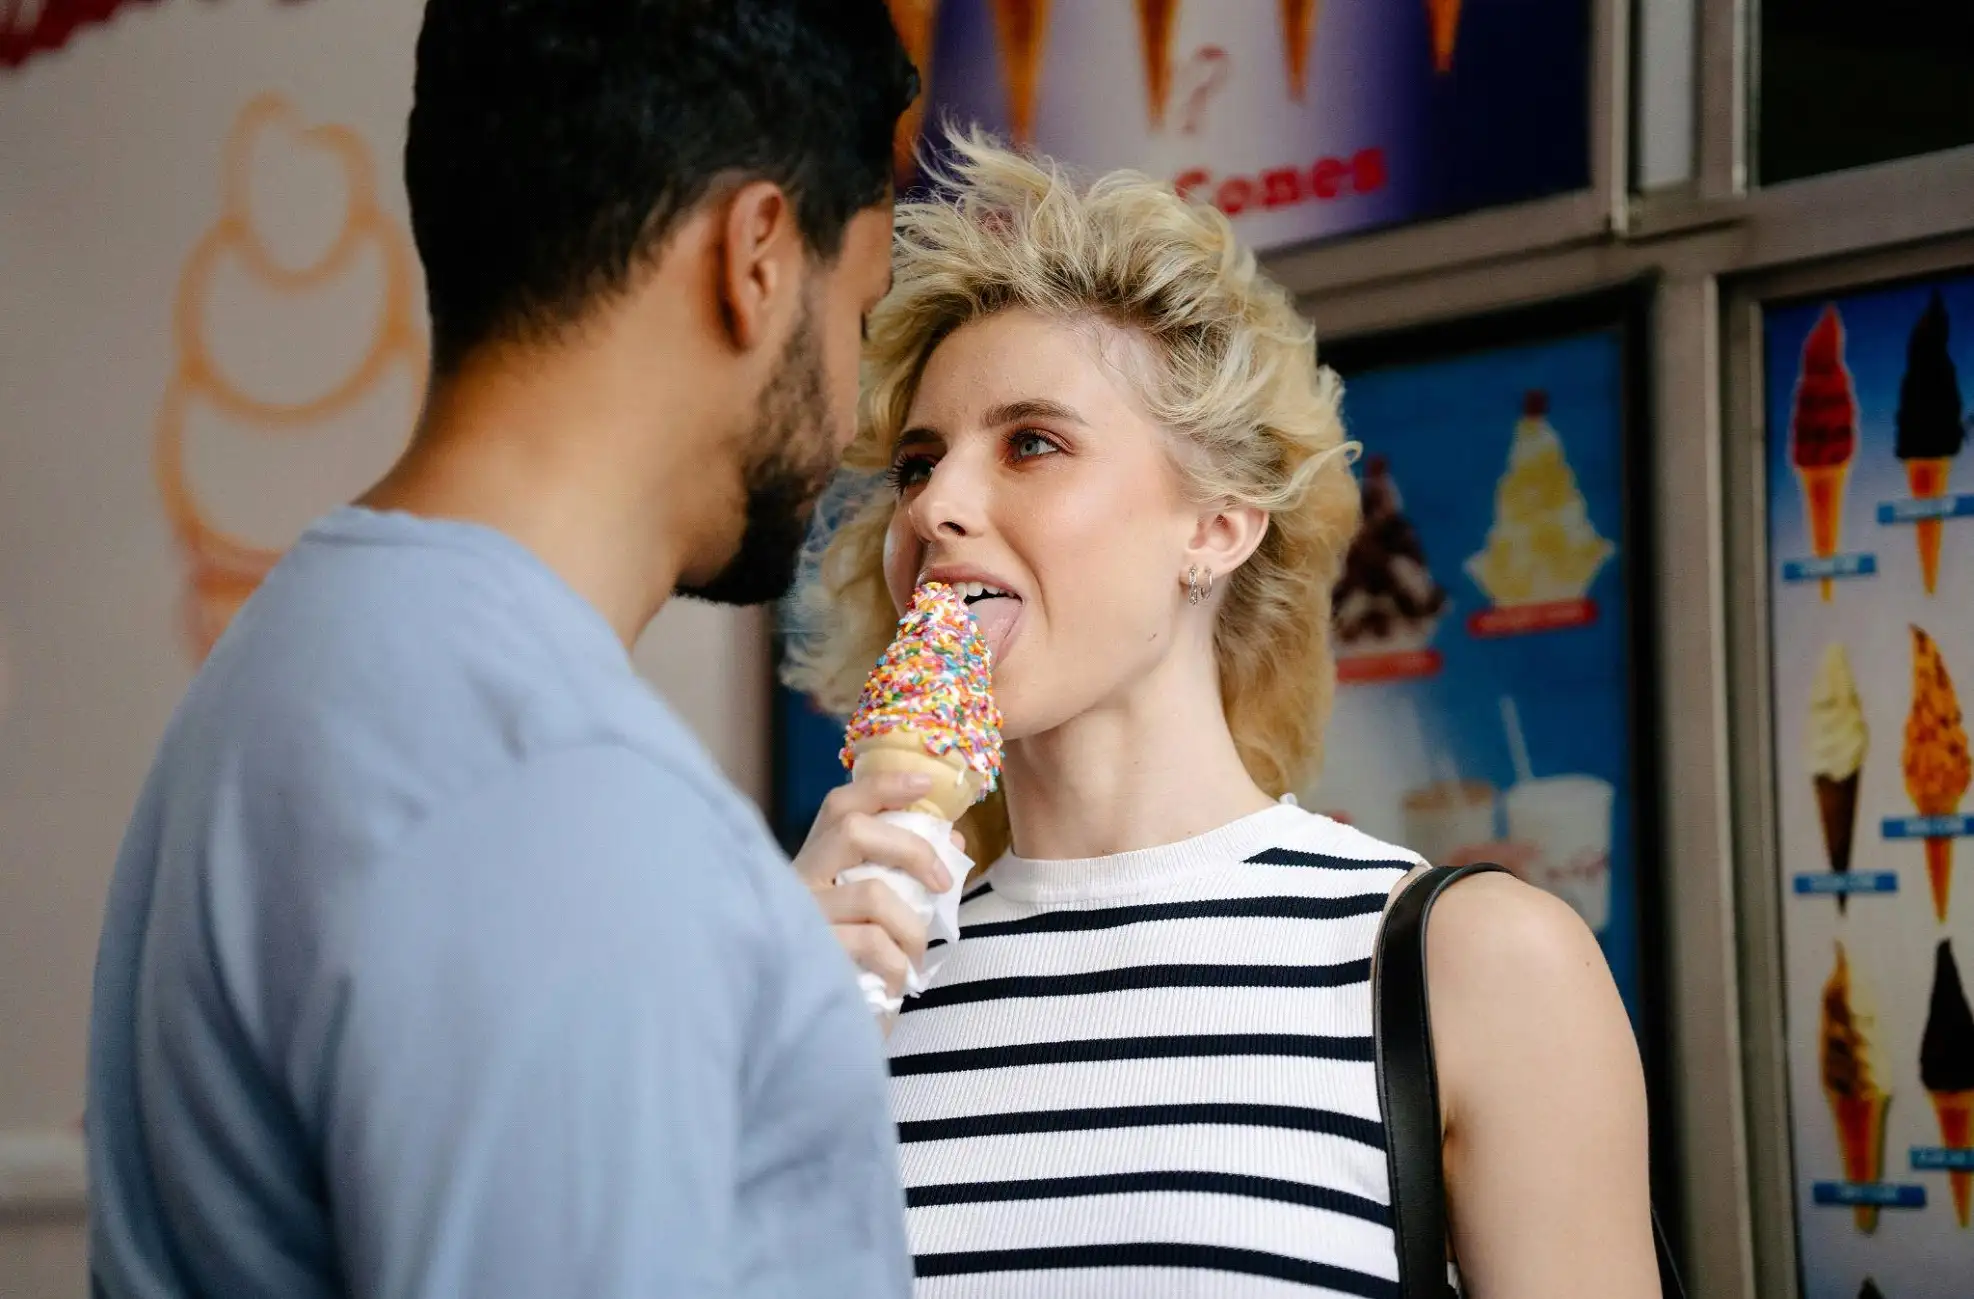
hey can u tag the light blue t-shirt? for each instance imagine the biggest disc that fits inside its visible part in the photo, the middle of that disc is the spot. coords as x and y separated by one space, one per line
441 961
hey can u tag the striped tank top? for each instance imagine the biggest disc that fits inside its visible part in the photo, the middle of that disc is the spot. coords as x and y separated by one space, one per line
1150 1075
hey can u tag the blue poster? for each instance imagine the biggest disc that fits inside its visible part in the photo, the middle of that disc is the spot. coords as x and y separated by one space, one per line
1871 618
1299 118
1484 625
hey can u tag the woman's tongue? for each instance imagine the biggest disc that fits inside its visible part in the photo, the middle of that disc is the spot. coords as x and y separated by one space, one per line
995 615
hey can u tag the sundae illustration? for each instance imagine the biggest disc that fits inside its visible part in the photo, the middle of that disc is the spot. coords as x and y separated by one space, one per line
1386 600
928 709
1946 1067
1443 16
1930 431
916 21
1935 760
230 402
1835 741
1021 29
1542 547
1298 26
1823 433
1850 1082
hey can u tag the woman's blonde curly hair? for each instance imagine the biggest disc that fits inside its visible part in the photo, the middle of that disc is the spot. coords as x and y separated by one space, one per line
1234 375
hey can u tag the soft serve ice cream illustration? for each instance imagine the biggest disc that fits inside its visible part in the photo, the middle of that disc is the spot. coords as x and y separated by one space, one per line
298 357
1834 744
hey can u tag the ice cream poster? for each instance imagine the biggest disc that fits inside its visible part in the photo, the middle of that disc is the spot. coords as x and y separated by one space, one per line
1300 118
1484 624
1871 582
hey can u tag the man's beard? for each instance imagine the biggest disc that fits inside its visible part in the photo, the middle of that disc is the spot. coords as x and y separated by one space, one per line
791 459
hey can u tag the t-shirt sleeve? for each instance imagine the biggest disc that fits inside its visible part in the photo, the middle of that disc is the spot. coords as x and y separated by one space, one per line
537 1064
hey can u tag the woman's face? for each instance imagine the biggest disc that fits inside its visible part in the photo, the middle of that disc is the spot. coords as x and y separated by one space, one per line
1028 465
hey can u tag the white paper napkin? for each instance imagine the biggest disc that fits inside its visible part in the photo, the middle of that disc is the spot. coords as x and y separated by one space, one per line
939 911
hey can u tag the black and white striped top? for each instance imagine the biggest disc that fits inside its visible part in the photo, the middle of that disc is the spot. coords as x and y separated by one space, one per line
1150 1075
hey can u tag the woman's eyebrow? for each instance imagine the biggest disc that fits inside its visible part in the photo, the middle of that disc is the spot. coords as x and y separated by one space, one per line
1026 408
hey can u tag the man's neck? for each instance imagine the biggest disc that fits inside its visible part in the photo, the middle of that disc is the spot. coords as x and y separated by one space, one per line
556 457
1153 767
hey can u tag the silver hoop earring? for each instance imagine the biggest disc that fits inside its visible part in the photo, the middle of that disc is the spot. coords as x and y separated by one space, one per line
1197 590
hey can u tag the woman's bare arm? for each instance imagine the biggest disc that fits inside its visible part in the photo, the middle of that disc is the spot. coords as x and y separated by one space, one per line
1543 1101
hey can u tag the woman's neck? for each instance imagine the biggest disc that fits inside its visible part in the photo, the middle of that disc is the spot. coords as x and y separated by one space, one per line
1153 767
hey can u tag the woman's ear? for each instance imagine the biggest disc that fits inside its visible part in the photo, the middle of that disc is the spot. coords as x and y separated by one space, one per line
1225 538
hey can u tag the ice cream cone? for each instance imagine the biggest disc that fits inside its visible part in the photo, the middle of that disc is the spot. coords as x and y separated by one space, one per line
1928 479
1861 1139
1444 18
1823 489
1156 19
916 21
1298 25
1939 873
1021 27
1836 805
955 785
1955 1110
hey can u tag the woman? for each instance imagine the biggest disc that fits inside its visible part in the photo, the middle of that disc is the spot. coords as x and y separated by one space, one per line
1144 1069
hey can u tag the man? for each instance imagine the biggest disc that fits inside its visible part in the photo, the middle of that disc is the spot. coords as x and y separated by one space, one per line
439 960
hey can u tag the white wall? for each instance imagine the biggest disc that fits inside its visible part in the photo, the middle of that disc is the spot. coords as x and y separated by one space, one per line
114 169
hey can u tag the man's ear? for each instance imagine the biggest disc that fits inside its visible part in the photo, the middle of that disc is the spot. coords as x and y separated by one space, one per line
1224 539
759 264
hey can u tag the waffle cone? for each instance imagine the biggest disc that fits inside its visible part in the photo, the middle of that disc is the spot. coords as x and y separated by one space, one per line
1022 30
955 785
1836 805
1939 873
1928 480
1861 1139
1955 1111
1298 25
1823 492
1443 16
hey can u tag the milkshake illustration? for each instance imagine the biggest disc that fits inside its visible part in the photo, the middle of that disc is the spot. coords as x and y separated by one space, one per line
916 21
1448 817
1298 27
1542 547
1850 1083
235 262
1930 431
1835 741
1935 760
1823 433
1946 1067
1021 29
1156 19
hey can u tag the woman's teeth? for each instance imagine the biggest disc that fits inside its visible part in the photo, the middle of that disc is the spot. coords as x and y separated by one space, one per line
971 591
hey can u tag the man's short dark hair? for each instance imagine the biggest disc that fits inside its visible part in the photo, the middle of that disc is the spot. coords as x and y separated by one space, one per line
555 144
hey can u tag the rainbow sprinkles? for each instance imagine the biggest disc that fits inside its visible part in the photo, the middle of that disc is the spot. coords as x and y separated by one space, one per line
936 681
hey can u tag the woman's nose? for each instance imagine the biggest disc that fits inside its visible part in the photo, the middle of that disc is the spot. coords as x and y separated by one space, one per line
949 506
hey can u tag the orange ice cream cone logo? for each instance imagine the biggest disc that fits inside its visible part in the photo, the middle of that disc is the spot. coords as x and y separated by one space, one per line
1298 26
1156 19
916 21
1021 29
1443 20
223 566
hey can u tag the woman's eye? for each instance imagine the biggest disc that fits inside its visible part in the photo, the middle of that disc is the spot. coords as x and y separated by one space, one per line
908 472
1027 446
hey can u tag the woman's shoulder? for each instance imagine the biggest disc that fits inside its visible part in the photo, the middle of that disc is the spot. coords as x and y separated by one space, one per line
1306 832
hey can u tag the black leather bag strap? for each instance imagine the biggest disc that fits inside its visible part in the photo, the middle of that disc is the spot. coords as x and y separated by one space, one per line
1408 1092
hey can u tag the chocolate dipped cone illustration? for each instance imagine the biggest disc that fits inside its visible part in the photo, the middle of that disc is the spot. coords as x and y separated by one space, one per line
1835 741
1946 1067
1823 433
1930 431
1443 17
1156 19
1935 760
916 21
235 255
1850 1084
1298 27
1021 29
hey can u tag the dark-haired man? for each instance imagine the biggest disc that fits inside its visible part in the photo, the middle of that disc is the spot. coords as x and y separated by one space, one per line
440 961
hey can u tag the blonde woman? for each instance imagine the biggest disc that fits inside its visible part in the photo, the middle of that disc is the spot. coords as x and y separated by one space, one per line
1144 1069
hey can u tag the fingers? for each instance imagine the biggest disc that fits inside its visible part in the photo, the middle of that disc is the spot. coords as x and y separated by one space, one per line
872 841
873 904
874 794
872 949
